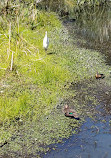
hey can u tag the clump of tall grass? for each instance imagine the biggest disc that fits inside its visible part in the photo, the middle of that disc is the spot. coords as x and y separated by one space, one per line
17 37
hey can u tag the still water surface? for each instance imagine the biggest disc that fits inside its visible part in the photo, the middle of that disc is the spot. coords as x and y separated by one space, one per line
94 141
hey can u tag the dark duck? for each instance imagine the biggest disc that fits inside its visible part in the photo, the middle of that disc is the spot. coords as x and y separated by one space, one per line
99 76
68 112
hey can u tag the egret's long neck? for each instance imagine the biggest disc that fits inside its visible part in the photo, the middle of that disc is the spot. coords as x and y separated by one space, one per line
46 33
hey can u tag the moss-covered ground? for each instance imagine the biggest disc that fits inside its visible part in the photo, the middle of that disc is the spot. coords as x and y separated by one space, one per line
34 92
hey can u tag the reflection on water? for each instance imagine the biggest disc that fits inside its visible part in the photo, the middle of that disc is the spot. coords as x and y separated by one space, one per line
94 141
94 25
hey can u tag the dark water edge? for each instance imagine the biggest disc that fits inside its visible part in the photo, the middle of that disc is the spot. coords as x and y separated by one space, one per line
94 141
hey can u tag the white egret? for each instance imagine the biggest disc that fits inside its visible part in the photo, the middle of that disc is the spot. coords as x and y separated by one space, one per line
46 42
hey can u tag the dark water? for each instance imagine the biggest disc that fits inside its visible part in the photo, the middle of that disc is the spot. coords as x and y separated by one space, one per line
94 141
93 25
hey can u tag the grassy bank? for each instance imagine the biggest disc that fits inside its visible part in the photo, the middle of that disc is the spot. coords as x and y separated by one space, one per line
37 83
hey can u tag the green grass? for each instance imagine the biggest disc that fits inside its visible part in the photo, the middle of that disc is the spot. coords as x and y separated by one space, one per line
33 68
40 82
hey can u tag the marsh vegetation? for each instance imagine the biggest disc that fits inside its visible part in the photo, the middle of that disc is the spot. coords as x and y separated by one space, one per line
34 86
